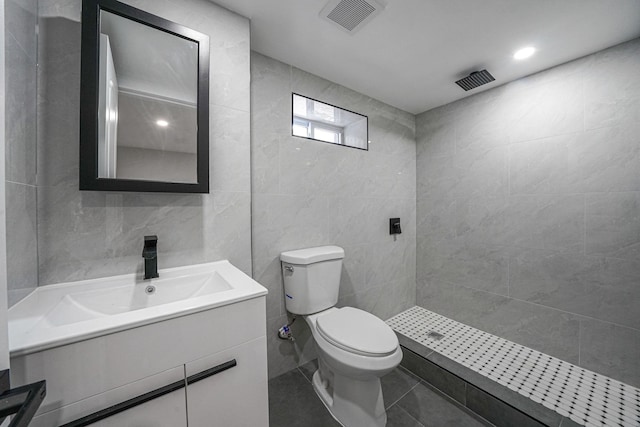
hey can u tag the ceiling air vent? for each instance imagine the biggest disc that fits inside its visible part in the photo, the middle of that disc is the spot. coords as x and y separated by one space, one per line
351 15
475 79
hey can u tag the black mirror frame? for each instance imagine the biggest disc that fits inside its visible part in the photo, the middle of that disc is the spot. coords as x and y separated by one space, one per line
89 101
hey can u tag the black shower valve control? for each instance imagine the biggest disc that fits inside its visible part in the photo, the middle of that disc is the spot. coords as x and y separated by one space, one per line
394 226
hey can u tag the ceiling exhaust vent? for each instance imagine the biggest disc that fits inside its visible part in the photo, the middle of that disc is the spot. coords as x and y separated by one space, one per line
351 15
475 79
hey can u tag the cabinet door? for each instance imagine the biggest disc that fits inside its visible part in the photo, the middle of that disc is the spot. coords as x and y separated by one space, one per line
234 397
166 410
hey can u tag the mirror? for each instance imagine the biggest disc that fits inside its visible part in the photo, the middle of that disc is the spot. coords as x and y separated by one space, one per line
324 122
144 122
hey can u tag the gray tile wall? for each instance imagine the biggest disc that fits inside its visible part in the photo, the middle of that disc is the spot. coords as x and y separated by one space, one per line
308 193
528 208
92 234
21 52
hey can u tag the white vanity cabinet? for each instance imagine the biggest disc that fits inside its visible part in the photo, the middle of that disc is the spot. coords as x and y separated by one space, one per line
167 410
215 358
232 397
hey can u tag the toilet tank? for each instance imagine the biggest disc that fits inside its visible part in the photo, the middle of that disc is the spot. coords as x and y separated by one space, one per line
311 278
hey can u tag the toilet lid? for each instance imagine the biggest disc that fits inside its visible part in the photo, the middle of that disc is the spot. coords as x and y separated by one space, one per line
358 332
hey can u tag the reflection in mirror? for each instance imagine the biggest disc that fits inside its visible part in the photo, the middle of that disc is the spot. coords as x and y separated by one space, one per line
147 103
324 122
144 122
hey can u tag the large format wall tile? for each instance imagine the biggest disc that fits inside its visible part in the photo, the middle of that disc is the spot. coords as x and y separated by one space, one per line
610 349
547 330
528 209
92 234
20 101
20 142
612 89
22 249
607 289
613 225
309 193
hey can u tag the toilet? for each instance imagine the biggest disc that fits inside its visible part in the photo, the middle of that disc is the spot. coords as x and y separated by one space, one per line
355 348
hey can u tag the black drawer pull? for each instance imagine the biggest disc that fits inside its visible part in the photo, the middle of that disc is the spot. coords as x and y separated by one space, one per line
146 397
211 372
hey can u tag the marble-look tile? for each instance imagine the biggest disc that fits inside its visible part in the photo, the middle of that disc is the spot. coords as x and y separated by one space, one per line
282 223
292 401
390 260
435 132
229 155
497 411
472 265
392 133
21 18
436 177
544 166
610 350
267 272
22 246
226 226
313 86
355 220
613 225
544 329
612 91
433 409
608 159
396 384
544 109
481 121
285 355
270 120
352 279
59 101
550 222
607 289
436 219
481 171
20 101
375 299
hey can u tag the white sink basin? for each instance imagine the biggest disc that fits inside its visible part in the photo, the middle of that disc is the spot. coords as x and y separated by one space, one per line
60 314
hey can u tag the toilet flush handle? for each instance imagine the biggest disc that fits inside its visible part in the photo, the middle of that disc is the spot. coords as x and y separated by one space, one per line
288 268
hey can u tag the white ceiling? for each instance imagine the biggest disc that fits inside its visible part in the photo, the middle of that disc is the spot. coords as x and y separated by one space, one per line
410 55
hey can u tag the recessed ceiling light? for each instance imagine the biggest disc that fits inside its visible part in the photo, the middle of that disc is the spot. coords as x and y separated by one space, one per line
162 123
524 53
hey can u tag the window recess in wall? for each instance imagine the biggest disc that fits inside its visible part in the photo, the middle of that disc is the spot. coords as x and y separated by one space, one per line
313 119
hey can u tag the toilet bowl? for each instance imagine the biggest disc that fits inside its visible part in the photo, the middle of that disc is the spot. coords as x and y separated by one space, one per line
355 348
348 378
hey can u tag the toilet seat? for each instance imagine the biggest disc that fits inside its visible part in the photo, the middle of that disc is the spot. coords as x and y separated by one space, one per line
358 332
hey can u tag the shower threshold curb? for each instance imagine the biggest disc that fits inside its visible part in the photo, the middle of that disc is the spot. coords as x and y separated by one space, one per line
426 336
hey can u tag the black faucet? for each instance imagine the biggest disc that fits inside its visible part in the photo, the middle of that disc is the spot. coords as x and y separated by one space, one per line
150 255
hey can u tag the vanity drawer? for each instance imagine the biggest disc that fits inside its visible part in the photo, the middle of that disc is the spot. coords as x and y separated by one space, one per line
170 408
77 371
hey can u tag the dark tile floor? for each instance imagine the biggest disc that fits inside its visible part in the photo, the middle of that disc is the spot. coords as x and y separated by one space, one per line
409 401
